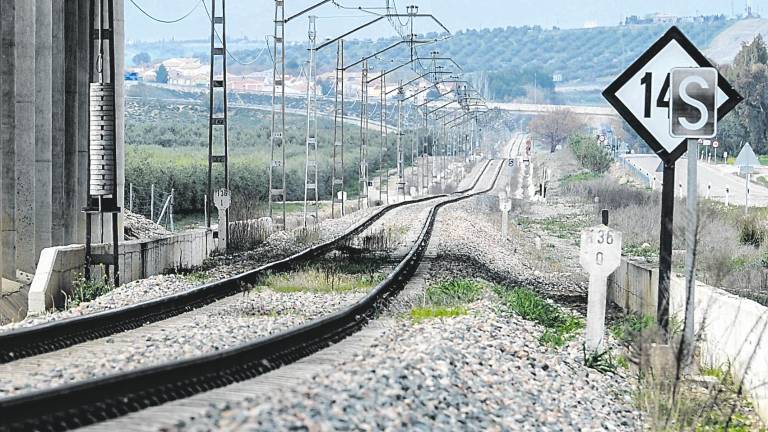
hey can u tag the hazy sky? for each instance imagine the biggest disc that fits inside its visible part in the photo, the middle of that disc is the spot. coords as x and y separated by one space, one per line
253 18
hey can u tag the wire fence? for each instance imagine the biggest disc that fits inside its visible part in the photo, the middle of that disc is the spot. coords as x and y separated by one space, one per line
152 203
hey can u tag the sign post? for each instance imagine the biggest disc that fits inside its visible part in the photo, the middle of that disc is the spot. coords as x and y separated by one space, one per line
599 255
642 96
747 161
693 115
222 200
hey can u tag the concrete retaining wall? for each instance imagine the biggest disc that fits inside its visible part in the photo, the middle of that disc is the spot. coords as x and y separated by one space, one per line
732 330
139 259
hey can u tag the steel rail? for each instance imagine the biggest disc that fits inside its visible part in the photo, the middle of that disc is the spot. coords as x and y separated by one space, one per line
99 399
53 336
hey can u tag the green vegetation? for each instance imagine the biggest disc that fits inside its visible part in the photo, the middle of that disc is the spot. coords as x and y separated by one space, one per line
579 177
566 227
87 290
749 76
419 314
560 326
630 326
167 145
590 154
333 274
454 292
584 55
603 362
447 299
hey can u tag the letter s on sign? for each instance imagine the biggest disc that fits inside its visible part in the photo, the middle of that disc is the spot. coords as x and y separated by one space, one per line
703 115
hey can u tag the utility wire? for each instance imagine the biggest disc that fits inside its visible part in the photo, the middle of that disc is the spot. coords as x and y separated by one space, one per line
194 8
234 59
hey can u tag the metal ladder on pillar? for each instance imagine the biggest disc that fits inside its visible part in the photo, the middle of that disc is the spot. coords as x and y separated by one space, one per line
217 120
311 194
362 201
337 177
102 196
383 172
277 192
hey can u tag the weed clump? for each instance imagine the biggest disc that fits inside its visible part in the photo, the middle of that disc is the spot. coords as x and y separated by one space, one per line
560 326
454 292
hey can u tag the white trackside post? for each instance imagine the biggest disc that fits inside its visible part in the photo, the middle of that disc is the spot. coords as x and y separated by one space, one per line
222 200
599 255
727 196
746 195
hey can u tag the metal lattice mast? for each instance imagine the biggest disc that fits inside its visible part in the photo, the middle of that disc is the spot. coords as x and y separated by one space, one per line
400 152
383 174
337 178
415 159
277 195
424 150
217 94
363 197
311 195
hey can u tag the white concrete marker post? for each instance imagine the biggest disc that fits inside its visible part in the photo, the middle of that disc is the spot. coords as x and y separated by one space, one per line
222 200
599 255
505 204
727 196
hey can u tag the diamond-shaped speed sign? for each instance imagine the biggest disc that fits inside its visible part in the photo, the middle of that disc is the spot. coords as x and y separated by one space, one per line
641 94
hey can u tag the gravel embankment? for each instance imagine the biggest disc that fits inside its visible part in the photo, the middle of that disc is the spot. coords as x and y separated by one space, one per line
485 370
480 371
219 326
278 246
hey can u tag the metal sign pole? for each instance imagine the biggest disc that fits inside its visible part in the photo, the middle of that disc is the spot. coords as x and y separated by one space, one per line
665 244
686 347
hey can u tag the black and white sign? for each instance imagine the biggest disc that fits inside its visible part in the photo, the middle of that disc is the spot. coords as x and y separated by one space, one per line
641 94
692 103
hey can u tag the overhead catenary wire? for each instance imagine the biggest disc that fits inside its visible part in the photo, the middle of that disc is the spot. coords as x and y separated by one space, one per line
234 59
164 21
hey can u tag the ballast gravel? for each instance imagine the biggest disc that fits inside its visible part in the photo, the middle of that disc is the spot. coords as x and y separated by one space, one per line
225 324
482 371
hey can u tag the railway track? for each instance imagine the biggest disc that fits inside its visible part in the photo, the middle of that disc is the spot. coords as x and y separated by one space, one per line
31 341
98 399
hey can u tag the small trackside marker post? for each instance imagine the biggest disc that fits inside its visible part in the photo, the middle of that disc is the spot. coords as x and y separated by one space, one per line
599 255
222 200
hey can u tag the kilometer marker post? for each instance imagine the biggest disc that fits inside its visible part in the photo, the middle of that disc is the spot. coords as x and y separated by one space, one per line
599 255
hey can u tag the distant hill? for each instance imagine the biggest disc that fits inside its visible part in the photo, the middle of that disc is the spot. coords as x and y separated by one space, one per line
725 45
502 61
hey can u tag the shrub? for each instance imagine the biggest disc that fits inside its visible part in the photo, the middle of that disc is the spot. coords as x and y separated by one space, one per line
590 154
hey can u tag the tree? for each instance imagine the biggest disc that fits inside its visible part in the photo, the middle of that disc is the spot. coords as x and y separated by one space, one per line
162 74
555 127
749 76
141 58
590 154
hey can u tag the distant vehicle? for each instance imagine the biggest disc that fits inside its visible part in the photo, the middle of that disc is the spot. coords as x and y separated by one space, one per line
132 76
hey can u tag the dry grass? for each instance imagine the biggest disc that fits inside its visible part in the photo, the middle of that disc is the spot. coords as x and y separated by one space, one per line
732 249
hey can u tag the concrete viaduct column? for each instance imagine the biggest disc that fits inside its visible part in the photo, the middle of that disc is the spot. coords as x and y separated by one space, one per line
43 124
58 123
25 136
71 116
119 31
83 135
7 139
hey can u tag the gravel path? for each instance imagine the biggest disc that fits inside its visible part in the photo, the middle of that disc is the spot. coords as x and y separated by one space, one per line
219 326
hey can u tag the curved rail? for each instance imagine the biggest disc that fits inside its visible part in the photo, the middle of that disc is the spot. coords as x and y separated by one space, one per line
30 341
99 399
